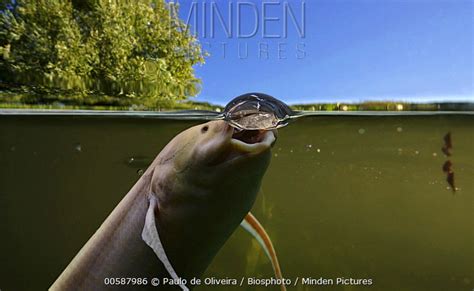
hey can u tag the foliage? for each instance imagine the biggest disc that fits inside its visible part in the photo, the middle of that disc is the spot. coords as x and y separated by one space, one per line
382 106
18 99
137 51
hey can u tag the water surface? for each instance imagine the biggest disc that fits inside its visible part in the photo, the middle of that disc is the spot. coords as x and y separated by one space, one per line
344 196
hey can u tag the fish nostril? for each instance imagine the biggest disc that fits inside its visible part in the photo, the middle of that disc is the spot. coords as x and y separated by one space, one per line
204 129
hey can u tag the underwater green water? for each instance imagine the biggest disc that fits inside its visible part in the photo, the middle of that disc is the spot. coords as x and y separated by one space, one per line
344 196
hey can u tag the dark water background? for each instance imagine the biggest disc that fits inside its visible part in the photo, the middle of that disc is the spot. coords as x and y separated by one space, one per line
345 196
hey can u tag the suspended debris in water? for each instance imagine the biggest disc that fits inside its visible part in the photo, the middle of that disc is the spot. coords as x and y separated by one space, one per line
138 161
78 147
448 145
257 111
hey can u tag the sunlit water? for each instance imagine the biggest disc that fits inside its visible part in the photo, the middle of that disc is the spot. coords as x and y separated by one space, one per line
344 196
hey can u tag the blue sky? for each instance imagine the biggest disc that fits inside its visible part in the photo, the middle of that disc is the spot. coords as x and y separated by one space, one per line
352 50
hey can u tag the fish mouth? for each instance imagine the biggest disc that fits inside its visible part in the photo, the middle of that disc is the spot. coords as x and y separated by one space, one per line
252 141
239 145
245 144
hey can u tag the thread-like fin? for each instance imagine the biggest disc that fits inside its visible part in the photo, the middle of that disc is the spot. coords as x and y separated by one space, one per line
251 224
152 239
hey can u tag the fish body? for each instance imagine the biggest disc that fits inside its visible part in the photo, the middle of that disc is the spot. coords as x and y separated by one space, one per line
198 190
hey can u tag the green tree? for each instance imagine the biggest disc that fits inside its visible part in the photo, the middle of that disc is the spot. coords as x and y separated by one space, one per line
138 51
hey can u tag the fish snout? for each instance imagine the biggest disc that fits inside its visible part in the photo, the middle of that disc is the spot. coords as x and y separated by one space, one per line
219 127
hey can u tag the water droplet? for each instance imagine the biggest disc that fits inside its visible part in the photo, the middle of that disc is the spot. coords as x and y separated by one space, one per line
399 129
140 172
361 130
318 150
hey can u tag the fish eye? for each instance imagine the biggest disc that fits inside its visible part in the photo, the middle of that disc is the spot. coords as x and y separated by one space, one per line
204 129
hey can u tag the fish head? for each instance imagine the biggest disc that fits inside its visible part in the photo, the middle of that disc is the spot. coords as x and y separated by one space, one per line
230 154
216 146
217 157
219 145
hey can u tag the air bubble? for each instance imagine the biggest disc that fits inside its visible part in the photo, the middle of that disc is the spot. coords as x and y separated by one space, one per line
257 111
